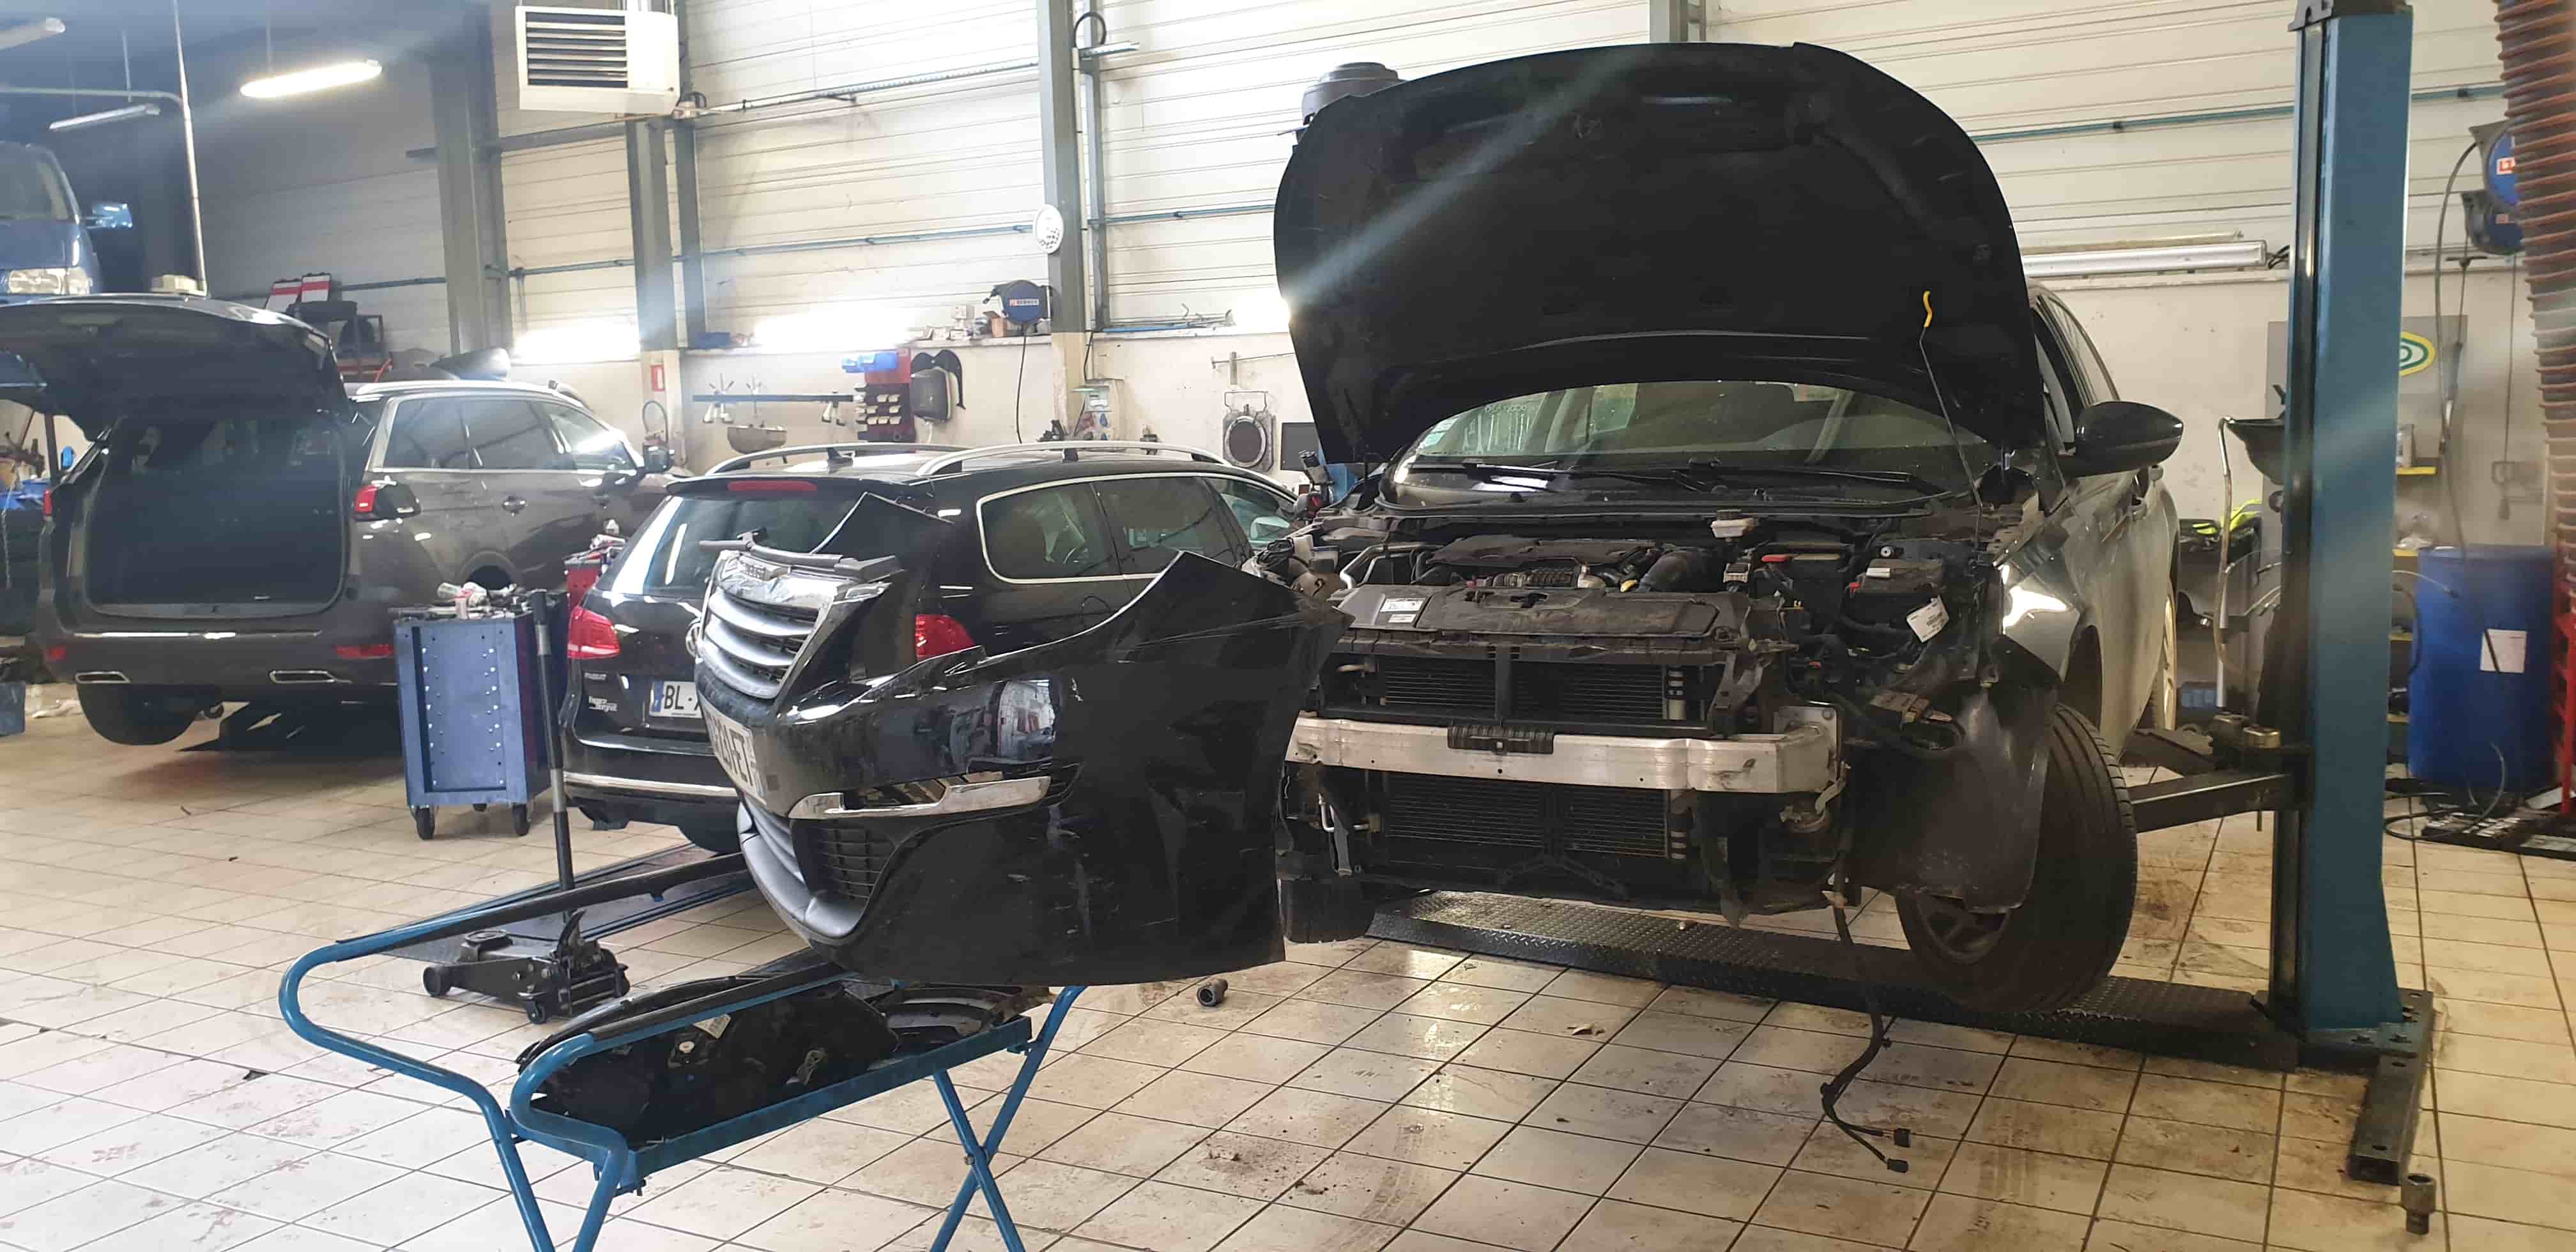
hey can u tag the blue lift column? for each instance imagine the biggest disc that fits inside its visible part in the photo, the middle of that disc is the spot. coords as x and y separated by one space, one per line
2334 979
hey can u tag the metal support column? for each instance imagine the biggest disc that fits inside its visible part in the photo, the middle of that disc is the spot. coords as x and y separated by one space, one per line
684 170
2334 977
466 119
648 215
1060 162
1679 21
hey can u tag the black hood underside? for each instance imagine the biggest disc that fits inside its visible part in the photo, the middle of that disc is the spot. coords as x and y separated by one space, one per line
1658 212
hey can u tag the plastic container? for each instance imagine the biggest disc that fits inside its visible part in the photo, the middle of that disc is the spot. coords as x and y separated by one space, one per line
2478 695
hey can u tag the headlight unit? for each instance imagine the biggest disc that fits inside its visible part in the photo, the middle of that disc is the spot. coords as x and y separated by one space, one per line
66 281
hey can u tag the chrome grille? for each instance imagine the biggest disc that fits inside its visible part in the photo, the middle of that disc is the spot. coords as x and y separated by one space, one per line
1621 821
757 620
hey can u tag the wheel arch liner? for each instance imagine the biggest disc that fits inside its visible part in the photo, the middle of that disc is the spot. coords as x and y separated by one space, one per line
1964 824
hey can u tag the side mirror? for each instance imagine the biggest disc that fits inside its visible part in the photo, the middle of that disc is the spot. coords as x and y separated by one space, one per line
1311 464
657 460
2119 437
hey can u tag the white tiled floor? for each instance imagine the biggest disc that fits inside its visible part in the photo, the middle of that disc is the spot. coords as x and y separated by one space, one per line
1358 1096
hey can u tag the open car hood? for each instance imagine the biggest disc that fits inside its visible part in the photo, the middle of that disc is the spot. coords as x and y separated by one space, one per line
1136 767
95 358
1659 212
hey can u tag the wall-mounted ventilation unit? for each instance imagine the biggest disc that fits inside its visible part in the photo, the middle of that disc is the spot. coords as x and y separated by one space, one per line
598 60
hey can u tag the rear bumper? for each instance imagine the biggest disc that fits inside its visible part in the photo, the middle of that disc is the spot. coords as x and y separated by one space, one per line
656 779
243 663
1802 758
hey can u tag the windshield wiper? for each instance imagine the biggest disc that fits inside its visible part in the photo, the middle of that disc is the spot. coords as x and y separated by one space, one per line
1886 478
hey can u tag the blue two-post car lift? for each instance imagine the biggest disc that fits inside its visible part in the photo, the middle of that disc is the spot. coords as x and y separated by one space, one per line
2312 756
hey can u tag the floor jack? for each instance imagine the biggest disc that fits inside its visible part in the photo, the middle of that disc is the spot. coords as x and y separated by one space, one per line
575 972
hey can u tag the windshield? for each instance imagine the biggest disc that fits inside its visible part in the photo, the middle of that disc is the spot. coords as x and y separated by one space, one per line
1768 426
666 558
32 186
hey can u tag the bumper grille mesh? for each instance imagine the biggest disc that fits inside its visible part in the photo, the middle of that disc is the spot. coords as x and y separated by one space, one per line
847 860
1621 821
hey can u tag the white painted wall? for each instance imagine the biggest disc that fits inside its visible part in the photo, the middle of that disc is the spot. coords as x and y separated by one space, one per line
320 183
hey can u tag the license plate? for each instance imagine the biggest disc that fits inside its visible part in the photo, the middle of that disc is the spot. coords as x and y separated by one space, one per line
732 745
674 699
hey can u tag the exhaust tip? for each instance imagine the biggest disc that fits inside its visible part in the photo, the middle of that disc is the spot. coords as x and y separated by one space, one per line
100 676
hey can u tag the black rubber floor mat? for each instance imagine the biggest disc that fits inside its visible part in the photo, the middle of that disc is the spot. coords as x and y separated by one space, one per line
2167 1019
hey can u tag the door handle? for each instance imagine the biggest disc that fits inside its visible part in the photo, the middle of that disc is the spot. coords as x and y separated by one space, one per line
513 504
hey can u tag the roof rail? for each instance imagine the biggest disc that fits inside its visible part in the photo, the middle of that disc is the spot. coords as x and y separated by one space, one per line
1070 449
810 449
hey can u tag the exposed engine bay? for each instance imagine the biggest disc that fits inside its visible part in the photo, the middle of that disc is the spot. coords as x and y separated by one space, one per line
1648 720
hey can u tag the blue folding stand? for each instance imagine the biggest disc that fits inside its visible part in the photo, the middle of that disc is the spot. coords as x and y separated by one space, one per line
619 1165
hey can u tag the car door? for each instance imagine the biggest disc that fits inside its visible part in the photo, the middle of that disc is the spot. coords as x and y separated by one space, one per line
618 484
1050 570
543 512
2124 565
425 451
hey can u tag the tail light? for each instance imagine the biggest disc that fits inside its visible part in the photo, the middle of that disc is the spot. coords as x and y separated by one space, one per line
57 654
590 637
937 634
364 503
363 651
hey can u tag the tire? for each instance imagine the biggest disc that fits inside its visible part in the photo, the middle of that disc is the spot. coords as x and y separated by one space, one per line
717 836
134 716
2064 937
1324 910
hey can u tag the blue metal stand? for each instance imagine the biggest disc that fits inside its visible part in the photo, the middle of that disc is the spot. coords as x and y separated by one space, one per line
620 1166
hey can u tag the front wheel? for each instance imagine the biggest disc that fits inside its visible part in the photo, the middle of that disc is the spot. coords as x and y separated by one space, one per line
2069 930
136 716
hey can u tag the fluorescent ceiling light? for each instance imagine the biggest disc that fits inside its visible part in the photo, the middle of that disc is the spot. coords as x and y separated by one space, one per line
30 32
2209 256
100 119
318 78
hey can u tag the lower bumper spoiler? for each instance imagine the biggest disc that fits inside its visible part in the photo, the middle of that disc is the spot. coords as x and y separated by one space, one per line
1799 759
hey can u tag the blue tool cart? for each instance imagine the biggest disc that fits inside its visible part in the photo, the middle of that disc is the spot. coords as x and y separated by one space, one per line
621 1166
473 711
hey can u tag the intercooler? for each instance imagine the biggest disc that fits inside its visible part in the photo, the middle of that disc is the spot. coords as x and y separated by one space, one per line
1539 817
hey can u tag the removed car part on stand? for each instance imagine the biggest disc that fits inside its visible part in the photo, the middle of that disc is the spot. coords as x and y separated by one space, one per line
243 526
1096 809
1685 592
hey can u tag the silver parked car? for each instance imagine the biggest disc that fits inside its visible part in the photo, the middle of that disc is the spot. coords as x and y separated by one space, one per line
1747 526
243 525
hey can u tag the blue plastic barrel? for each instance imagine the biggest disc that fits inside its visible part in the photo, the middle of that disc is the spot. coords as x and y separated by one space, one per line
2478 695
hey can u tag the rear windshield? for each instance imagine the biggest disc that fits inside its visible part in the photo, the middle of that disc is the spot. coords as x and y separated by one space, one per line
32 187
666 559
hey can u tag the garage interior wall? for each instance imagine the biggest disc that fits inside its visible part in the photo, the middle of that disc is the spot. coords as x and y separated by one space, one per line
1198 121
320 183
